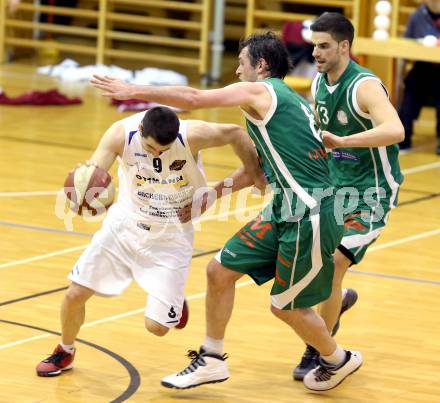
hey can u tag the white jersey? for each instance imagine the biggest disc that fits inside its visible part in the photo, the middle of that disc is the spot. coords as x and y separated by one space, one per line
152 188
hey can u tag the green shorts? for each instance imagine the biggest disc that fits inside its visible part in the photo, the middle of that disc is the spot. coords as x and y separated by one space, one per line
297 255
361 229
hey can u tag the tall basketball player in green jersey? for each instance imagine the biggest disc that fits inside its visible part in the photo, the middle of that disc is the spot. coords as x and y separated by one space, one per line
293 240
362 128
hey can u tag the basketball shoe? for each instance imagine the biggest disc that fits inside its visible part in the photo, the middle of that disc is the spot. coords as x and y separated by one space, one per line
60 360
327 376
310 358
204 368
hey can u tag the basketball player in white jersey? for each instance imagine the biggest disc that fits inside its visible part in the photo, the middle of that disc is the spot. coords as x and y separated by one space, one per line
142 237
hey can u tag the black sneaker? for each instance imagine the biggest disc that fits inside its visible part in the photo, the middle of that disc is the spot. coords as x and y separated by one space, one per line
310 358
348 301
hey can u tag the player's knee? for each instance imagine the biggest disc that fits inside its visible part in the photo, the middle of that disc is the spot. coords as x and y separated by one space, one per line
280 313
342 263
219 276
77 295
155 327
290 316
277 312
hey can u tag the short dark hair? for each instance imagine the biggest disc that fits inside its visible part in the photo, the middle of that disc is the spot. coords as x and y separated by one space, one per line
335 24
162 124
272 49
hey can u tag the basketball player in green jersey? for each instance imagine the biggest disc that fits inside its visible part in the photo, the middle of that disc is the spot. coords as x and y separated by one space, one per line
293 240
362 128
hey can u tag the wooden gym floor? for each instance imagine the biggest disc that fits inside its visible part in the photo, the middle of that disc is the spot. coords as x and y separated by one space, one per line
394 324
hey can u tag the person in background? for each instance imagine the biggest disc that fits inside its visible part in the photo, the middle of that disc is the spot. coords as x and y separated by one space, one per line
422 84
295 36
12 6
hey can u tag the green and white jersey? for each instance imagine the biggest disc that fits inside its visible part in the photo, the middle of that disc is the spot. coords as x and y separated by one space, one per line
290 147
339 113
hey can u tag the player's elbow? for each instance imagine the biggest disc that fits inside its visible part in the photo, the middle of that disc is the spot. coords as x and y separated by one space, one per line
236 135
393 132
399 133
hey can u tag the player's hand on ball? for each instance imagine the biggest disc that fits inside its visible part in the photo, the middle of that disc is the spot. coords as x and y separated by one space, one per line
332 141
87 163
89 189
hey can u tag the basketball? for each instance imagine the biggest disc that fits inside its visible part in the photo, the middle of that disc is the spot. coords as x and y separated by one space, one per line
89 190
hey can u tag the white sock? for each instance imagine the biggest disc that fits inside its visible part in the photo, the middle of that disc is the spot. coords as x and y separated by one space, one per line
213 345
68 348
336 358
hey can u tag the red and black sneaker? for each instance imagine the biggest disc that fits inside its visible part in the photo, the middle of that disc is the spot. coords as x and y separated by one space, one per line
60 360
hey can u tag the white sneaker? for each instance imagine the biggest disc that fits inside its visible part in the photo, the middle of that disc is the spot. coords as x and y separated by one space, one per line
204 368
326 376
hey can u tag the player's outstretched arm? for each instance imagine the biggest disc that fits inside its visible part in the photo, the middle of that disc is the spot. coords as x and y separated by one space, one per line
187 98
110 146
373 100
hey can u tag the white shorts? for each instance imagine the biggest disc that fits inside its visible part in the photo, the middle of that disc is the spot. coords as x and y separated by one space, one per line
122 251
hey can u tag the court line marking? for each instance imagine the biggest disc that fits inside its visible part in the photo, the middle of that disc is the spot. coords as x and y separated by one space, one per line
405 240
421 168
407 171
36 193
53 192
244 284
203 219
111 318
427 196
394 277
45 229
77 248
199 253
41 257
